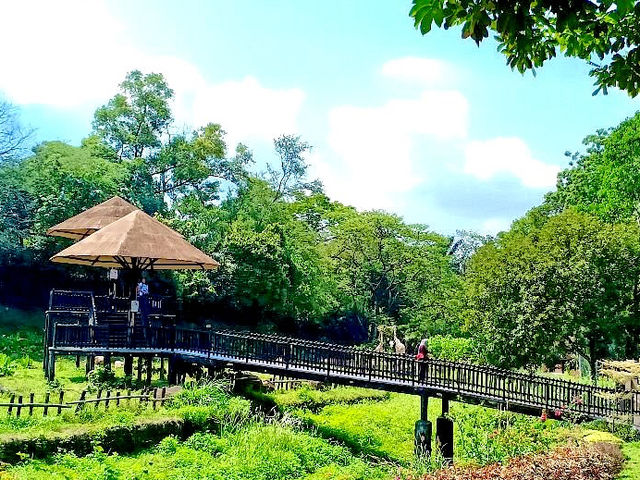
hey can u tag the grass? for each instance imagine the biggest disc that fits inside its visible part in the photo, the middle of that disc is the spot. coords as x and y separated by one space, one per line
385 429
308 397
256 452
631 469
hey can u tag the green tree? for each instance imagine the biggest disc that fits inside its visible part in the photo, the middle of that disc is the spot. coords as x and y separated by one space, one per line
569 286
605 180
133 121
606 34
289 178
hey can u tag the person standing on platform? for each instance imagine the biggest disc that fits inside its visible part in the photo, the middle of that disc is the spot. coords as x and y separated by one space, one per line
421 356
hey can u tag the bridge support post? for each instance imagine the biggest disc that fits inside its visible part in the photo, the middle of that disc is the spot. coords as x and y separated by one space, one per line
423 429
444 433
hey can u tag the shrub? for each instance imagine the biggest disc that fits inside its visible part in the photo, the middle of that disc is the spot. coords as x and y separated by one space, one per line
7 366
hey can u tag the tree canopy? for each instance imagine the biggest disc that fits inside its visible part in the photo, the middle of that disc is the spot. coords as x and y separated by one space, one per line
605 34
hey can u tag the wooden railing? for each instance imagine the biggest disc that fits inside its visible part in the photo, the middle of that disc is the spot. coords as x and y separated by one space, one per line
19 404
336 363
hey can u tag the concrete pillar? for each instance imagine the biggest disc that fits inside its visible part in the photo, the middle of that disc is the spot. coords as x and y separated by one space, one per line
423 429
444 433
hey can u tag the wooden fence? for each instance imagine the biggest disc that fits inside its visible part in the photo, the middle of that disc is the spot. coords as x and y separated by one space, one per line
104 398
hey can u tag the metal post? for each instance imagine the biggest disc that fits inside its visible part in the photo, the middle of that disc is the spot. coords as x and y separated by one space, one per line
423 429
444 433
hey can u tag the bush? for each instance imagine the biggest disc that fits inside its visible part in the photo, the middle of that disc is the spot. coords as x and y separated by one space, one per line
7 366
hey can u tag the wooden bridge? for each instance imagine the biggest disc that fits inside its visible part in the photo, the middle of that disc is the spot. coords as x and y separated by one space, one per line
84 330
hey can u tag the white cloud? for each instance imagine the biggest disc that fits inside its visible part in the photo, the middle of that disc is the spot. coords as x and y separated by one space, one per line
425 71
374 146
247 109
492 226
75 53
488 158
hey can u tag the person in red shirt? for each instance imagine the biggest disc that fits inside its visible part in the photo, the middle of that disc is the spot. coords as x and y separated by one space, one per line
421 356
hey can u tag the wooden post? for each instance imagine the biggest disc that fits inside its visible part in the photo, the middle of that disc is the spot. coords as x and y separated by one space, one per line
91 363
13 399
51 366
98 397
161 368
107 361
128 365
106 402
46 401
423 429
19 407
80 403
139 369
117 399
31 396
77 361
444 433
172 373
163 396
60 400
149 369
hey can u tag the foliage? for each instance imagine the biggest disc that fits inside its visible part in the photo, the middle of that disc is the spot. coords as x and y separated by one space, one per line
566 286
446 347
591 462
258 452
134 120
605 179
307 397
7 366
529 33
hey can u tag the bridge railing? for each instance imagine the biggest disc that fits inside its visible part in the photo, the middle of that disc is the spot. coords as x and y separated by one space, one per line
560 397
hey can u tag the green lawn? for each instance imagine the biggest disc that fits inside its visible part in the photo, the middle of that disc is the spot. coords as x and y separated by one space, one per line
632 467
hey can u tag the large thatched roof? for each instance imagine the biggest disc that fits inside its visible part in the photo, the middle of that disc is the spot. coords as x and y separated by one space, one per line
93 219
136 241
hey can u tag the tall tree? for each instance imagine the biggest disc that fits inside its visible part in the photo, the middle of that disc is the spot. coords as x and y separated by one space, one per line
529 32
133 121
290 176
570 286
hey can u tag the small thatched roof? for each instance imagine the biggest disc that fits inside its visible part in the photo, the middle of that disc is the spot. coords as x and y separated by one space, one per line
93 219
136 241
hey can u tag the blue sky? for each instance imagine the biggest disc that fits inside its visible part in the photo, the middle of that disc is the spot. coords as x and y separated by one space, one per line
432 128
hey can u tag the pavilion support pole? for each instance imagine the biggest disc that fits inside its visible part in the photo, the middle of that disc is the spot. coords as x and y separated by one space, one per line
139 369
444 433
128 365
172 373
149 369
107 362
91 363
51 366
423 429
161 368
